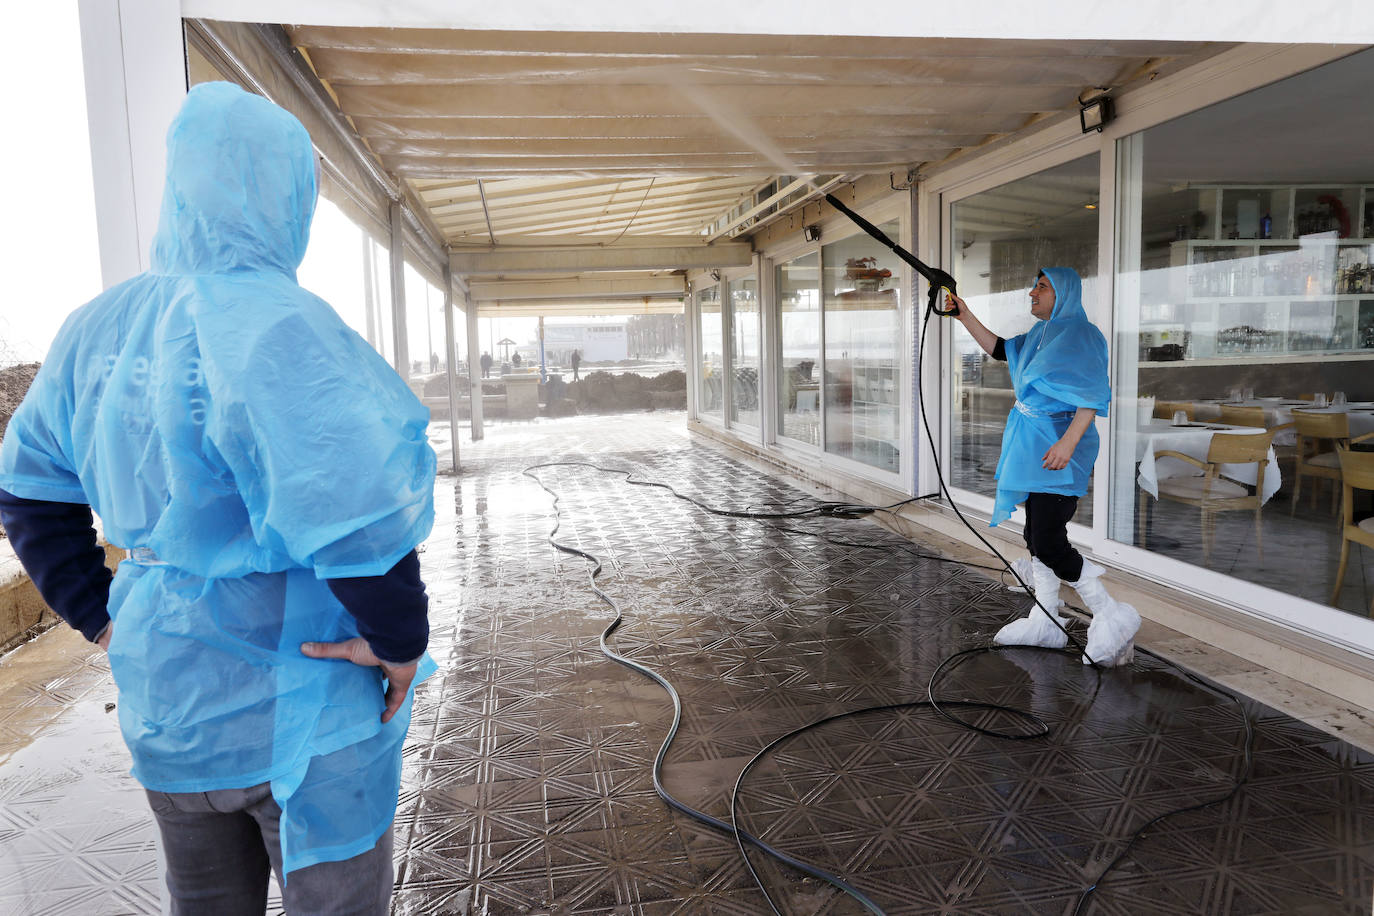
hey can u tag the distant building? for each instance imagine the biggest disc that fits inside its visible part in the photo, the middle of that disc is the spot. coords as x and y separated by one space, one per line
598 342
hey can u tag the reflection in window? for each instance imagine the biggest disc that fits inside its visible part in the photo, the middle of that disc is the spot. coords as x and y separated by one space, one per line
1001 238
710 392
1245 307
862 337
799 322
744 352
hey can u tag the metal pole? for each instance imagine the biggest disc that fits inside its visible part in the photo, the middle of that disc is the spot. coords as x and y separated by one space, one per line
370 292
543 366
475 367
450 358
400 347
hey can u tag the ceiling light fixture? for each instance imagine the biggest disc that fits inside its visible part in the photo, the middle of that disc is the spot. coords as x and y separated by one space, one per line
1094 114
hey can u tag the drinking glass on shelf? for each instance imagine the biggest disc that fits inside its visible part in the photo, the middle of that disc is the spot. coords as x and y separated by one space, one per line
1235 394
1319 399
1338 399
1248 394
1180 418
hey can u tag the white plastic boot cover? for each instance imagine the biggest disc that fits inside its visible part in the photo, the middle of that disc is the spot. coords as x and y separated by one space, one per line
1022 570
1111 635
1037 629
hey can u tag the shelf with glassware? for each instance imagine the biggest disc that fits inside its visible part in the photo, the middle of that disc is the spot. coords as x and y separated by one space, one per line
1235 298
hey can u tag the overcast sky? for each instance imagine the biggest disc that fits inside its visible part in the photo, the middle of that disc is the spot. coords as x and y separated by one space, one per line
51 263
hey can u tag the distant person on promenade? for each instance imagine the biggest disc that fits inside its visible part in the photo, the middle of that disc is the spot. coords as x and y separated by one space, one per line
576 361
515 360
486 365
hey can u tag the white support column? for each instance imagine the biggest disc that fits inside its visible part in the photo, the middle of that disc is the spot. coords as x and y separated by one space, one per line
930 387
693 349
400 347
909 392
450 358
134 56
474 367
769 350
370 292
1126 164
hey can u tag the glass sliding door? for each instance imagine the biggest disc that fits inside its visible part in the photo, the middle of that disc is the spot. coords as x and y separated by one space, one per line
797 283
862 309
1000 239
1245 307
710 378
745 333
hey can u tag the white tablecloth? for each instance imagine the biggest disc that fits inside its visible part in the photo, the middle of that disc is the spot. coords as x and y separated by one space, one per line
1277 412
1193 441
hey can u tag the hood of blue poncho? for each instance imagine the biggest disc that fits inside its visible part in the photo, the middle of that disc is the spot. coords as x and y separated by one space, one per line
1068 293
1064 357
240 189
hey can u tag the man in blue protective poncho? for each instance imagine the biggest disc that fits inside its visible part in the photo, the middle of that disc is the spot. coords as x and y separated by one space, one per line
270 477
1059 373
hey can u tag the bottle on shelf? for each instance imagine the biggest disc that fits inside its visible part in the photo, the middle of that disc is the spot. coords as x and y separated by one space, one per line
1266 226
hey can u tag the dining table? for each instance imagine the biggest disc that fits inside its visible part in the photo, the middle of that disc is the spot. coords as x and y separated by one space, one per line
1193 439
1279 411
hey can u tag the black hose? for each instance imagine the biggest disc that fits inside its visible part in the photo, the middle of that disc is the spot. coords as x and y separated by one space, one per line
1039 728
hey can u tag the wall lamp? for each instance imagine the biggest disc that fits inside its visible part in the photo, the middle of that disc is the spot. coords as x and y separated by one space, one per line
1094 114
811 233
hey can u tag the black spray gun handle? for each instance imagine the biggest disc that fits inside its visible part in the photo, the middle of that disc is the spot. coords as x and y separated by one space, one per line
937 278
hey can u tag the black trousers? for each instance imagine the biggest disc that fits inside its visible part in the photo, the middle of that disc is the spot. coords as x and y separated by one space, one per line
1047 534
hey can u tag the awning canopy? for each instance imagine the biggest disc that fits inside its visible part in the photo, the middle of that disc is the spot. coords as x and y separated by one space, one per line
572 153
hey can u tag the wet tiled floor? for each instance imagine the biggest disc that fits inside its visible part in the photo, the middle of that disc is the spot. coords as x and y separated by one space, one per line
527 788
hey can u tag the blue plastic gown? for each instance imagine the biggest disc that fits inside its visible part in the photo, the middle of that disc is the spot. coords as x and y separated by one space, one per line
1056 367
230 427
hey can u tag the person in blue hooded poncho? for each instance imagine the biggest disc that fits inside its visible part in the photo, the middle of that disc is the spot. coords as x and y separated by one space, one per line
270 477
1059 371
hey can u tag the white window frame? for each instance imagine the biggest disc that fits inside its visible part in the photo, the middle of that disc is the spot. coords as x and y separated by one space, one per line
1235 72
744 431
838 226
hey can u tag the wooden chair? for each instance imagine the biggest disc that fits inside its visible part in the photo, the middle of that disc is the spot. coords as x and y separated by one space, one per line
1319 435
1242 416
1165 410
1357 473
1213 493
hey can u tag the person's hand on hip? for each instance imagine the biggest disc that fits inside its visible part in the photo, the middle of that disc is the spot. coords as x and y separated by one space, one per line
357 651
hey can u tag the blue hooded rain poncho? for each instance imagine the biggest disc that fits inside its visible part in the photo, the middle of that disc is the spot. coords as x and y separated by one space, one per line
244 445
1056 367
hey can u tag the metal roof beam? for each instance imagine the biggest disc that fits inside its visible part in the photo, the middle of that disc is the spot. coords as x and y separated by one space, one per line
673 286
563 260
530 308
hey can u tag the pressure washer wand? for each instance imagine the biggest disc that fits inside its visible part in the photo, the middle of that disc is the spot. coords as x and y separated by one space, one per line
937 278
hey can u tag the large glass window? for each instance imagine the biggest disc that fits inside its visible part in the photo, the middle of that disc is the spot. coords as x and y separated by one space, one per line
799 322
744 351
1001 238
1246 311
711 390
862 338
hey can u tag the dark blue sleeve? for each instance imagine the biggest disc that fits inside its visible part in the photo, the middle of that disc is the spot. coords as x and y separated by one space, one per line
56 542
999 352
392 610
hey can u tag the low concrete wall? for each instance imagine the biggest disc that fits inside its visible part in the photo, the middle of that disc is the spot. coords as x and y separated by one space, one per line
522 396
22 611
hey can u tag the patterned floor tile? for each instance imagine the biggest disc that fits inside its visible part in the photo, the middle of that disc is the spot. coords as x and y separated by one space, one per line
527 787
